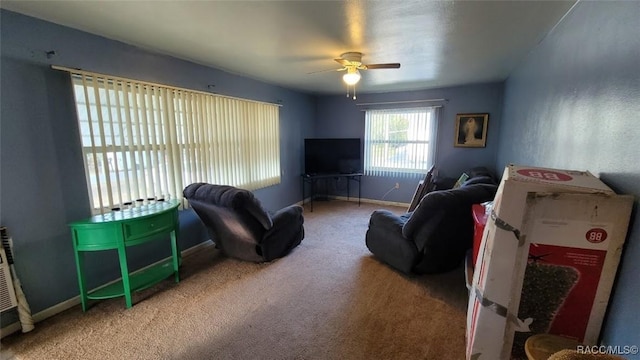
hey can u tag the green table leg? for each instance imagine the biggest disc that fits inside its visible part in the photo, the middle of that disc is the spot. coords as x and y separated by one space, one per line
81 285
124 269
175 255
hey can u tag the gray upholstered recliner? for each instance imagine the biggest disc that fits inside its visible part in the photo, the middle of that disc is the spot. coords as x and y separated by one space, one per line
240 227
436 236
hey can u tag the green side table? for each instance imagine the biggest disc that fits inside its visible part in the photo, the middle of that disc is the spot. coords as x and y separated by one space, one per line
118 230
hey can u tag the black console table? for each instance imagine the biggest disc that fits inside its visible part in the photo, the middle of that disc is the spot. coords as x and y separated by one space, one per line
313 179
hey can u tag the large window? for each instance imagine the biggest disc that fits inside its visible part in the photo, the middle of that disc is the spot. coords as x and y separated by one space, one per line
143 140
399 142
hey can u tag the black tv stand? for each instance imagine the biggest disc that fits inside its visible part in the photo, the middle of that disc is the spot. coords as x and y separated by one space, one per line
312 179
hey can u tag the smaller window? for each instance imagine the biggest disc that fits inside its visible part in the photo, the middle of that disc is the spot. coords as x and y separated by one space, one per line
399 141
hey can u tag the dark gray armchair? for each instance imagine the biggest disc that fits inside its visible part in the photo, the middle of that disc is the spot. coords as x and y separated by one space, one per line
240 227
436 236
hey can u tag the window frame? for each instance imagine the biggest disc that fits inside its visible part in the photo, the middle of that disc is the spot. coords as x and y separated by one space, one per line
429 140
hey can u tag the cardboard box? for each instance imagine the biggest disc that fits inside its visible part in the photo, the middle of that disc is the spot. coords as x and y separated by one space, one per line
559 234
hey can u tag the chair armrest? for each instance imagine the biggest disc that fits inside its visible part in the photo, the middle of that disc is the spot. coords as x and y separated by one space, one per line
384 239
285 234
387 219
290 216
286 214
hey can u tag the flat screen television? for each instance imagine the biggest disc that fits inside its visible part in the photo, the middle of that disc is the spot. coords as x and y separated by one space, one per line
332 156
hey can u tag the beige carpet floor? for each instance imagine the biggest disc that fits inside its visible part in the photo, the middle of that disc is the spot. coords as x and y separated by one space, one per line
328 299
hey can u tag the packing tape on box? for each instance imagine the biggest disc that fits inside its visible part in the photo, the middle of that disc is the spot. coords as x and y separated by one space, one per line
501 310
491 305
501 224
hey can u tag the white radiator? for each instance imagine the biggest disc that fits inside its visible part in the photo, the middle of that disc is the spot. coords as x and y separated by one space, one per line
7 292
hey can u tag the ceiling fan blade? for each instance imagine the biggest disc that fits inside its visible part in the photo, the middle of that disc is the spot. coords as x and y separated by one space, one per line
343 62
327 70
382 66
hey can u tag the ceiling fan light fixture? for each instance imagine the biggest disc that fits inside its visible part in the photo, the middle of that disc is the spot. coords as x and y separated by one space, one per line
352 76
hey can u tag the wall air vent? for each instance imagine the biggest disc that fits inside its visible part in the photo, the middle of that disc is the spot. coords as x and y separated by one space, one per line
7 292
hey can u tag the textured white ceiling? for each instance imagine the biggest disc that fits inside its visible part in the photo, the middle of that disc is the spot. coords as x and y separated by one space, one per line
438 43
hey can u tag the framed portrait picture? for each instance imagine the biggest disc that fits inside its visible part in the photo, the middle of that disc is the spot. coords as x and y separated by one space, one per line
471 130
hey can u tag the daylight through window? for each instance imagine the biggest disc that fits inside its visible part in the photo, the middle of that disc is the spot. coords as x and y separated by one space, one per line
399 142
143 140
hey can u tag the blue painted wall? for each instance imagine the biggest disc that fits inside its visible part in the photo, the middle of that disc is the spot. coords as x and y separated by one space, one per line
42 185
575 103
339 116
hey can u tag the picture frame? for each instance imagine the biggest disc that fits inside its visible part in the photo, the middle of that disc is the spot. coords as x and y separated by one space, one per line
471 130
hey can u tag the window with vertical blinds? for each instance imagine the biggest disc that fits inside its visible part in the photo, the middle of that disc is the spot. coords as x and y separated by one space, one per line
142 140
399 142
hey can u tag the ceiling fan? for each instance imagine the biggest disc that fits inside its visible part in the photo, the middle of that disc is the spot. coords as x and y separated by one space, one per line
352 63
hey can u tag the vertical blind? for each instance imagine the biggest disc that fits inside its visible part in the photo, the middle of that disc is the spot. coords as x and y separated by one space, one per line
399 142
144 140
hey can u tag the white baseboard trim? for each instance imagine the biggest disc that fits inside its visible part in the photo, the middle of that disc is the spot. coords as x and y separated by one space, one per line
371 201
364 200
67 304
10 329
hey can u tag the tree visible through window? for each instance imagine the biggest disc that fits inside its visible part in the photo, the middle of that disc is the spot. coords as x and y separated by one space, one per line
399 141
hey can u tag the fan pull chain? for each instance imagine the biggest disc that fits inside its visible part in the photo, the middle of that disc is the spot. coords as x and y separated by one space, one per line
354 91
